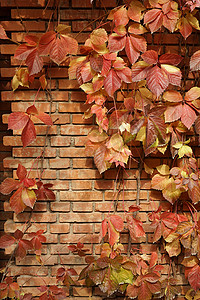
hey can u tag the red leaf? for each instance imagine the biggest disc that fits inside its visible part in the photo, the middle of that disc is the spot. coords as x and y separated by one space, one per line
116 43
21 172
125 74
173 113
32 110
28 133
45 118
150 57
43 192
157 80
195 61
131 52
106 67
121 16
117 222
173 73
17 120
194 277
28 197
188 116
139 71
133 208
144 292
96 63
8 185
34 62
154 18
99 159
3 34
139 43
16 202
170 59
7 241
104 227
185 28
153 260
113 234
57 46
112 82
18 234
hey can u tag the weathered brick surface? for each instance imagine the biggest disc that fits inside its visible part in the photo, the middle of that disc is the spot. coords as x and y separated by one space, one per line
83 196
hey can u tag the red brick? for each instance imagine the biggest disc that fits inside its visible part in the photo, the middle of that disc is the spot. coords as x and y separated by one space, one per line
78 119
36 217
43 107
84 206
33 152
73 107
75 130
81 185
72 152
60 141
31 14
82 228
66 84
80 217
59 228
17 26
83 238
30 96
83 163
59 163
60 207
84 196
79 174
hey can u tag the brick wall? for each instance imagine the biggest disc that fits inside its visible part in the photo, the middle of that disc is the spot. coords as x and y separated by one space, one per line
83 196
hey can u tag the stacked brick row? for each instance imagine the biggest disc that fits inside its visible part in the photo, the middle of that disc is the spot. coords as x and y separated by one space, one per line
83 196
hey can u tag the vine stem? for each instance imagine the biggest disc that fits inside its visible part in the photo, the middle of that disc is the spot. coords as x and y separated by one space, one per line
13 252
140 166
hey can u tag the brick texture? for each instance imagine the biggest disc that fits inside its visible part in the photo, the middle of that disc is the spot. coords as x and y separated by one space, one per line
83 196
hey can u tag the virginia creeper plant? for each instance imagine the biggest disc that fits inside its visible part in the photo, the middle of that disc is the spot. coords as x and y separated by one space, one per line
138 94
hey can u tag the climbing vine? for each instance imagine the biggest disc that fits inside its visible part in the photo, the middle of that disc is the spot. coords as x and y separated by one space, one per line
138 94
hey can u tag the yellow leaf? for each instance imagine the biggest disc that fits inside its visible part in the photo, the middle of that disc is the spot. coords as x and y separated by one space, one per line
185 150
148 169
163 169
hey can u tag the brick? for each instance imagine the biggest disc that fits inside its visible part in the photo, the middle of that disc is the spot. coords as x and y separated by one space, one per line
79 174
59 249
30 96
31 14
75 238
8 49
59 228
78 119
84 206
16 141
44 107
16 270
80 14
72 152
83 163
31 261
75 130
83 196
66 84
34 281
60 207
59 163
36 217
33 152
81 185
82 228
82 4
73 107
80 217
60 141
17 26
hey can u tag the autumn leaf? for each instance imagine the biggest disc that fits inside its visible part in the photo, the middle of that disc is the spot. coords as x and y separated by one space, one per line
3 34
